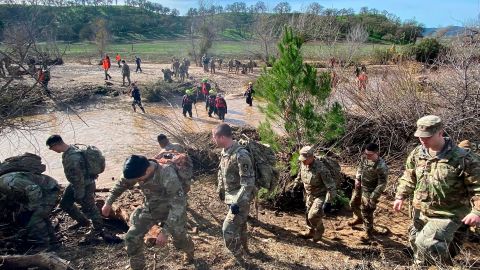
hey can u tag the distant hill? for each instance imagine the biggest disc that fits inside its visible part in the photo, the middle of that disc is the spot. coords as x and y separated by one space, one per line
74 23
451 31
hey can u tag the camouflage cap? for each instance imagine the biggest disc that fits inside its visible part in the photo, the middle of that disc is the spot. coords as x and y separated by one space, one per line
428 125
305 152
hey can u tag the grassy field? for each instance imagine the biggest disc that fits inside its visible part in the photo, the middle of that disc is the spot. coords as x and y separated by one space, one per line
162 51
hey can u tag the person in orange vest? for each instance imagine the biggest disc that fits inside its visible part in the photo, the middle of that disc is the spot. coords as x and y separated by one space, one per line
106 66
362 81
221 105
119 59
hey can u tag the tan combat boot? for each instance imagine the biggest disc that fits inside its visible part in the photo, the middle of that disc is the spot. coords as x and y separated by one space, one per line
307 234
355 221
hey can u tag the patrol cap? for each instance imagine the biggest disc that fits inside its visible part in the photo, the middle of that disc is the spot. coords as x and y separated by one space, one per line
428 125
212 92
205 80
305 152
135 166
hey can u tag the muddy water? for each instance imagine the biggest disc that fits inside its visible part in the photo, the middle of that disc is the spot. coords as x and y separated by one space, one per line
118 131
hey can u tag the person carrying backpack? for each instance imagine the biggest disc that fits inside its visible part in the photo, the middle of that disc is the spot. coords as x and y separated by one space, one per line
221 106
211 105
164 202
187 102
205 88
320 191
236 187
81 172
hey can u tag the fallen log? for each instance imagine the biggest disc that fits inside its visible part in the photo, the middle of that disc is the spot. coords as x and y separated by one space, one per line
41 260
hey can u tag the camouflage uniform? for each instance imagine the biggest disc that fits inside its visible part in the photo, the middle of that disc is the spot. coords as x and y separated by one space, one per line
236 180
81 189
373 177
164 201
445 188
37 194
173 147
320 187
126 73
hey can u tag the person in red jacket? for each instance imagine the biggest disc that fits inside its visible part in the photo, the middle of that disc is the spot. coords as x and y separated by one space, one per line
221 105
106 66
119 60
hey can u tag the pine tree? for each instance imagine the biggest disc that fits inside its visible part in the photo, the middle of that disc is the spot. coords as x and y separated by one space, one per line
297 98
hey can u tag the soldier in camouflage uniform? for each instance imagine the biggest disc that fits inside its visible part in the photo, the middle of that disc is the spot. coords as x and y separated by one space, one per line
444 183
166 145
320 190
164 201
370 182
236 185
37 195
80 190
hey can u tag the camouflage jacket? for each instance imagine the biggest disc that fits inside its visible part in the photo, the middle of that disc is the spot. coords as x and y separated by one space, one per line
373 176
27 188
163 194
317 181
447 185
75 168
236 177
125 70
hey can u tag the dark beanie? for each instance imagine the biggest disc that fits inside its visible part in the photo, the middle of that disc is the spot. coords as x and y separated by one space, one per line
135 166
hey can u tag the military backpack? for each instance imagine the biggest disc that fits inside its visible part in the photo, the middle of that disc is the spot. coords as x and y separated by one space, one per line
333 167
94 159
27 162
263 161
181 162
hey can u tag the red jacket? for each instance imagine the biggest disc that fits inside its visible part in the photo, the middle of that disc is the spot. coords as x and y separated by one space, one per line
220 103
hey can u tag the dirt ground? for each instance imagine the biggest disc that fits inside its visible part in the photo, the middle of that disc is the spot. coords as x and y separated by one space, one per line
273 240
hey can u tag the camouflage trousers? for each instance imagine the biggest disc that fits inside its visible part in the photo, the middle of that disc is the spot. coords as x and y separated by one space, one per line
362 208
430 238
141 222
87 205
314 214
39 227
235 231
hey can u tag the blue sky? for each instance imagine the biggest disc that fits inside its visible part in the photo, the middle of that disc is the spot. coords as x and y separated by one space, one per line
432 13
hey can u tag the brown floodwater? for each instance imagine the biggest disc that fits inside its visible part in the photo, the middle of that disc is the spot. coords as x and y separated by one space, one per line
115 129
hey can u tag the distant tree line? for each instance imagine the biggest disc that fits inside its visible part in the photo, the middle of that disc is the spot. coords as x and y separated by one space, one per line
143 19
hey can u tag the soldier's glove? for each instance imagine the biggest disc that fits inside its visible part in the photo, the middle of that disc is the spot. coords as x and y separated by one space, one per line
327 207
235 209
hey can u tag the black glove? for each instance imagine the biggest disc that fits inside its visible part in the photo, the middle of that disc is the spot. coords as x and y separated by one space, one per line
327 207
235 209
